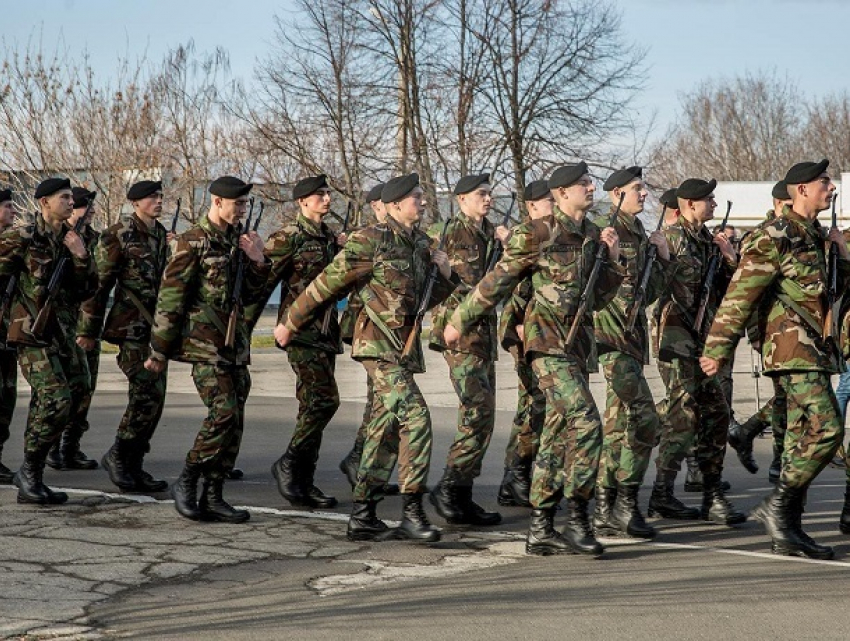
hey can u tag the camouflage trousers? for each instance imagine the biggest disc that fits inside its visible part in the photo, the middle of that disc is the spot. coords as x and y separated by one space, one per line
630 423
360 439
814 428
399 430
528 420
567 459
146 394
695 412
80 382
224 390
51 405
8 391
79 421
474 381
318 398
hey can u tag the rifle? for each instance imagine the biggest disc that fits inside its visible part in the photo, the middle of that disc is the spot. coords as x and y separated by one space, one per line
833 299
326 320
176 218
6 300
710 273
53 285
591 280
498 248
640 294
425 298
236 292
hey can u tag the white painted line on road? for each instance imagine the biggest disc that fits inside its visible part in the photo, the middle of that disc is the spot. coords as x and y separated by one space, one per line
760 555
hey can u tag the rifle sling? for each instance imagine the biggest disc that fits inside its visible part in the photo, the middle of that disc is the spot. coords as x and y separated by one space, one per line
142 309
214 319
386 331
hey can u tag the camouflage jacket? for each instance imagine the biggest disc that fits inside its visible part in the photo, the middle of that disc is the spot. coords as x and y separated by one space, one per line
557 254
194 303
386 267
31 253
349 317
692 246
298 253
468 249
131 258
610 322
513 315
783 260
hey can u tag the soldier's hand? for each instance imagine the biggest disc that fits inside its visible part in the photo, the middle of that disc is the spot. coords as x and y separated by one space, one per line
155 365
252 245
441 260
170 236
709 366
86 343
520 331
658 239
726 248
502 234
75 244
609 237
341 239
837 236
451 335
282 334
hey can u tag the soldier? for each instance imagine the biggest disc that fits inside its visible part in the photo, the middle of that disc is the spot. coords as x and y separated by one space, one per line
630 421
8 363
298 253
31 253
557 253
130 259
194 307
784 261
696 408
524 438
469 240
387 265
65 453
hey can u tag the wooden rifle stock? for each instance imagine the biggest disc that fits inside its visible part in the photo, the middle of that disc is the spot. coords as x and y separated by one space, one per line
498 248
643 283
236 292
710 273
591 280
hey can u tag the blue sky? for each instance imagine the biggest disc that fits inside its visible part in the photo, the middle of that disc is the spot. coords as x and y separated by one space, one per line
687 40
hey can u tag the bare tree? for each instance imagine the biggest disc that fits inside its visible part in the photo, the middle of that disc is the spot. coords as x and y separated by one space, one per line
827 132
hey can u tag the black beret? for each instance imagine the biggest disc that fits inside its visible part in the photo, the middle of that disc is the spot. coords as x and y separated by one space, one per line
470 183
82 196
535 190
51 186
669 198
308 186
780 191
805 172
567 175
143 189
695 189
398 187
229 187
375 193
5 194
622 177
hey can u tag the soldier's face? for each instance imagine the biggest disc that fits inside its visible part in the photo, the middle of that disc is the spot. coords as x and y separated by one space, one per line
232 211
317 203
779 205
540 208
58 206
580 194
635 198
379 209
7 214
409 210
818 193
150 206
79 212
703 210
476 204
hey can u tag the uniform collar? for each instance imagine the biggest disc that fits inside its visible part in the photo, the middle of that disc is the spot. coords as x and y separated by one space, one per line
568 223
227 235
319 230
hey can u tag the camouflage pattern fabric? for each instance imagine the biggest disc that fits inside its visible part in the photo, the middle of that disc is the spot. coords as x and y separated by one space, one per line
8 391
317 394
360 438
224 390
146 393
80 417
80 381
524 437
47 373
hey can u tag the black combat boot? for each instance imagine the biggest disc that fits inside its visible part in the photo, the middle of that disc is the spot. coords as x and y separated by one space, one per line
315 496
626 516
663 501
775 470
118 464
236 474
144 481
70 455
602 523
844 521
213 507
31 487
694 481
741 439
350 465
54 456
185 492
516 486
364 524
778 513
543 539
285 472
715 506
414 522
444 497
5 473
577 531
474 514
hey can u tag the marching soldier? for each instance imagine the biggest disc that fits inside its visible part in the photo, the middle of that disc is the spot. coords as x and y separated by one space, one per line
65 453
387 265
524 438
784 260
469 240
196 304
8 362
31 253
557 253
630 420
696 407
298 253
130 259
